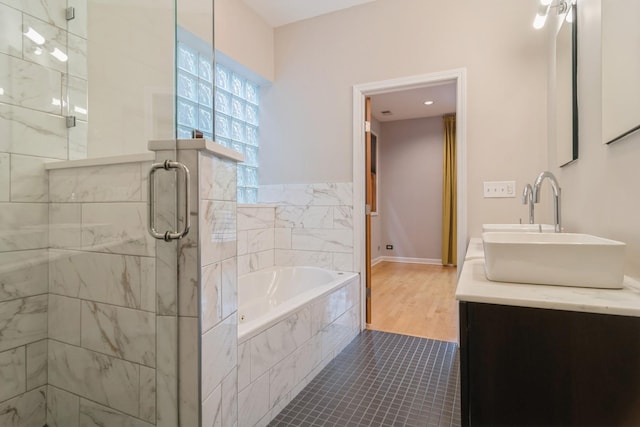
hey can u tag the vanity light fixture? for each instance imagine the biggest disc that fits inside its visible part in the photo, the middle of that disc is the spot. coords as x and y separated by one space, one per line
34 36
543 12
428 102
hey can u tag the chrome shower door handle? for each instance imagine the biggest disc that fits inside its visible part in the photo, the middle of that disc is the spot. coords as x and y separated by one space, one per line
169 235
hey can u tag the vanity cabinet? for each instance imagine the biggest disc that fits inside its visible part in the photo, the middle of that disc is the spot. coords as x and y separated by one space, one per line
524 366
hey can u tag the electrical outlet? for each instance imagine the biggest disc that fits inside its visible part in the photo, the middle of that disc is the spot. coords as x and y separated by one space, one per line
389 247
499 189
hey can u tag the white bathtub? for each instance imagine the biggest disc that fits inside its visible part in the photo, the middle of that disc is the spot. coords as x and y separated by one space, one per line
267 296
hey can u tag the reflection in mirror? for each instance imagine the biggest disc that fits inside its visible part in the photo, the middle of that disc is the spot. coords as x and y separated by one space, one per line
566 87
620 69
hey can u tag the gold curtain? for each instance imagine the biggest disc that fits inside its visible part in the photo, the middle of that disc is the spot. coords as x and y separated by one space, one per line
449 226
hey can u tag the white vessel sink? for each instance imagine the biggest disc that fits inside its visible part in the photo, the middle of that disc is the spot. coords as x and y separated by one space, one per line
563 259
519 228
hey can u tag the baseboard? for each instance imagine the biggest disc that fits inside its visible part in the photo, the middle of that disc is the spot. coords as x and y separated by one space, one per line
409 260
377 260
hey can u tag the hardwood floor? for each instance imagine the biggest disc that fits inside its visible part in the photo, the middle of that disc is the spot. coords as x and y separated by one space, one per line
414 299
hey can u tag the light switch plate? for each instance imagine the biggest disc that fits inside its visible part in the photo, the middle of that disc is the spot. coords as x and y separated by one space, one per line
499 189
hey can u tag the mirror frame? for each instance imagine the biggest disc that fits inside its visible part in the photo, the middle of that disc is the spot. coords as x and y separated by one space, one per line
574 84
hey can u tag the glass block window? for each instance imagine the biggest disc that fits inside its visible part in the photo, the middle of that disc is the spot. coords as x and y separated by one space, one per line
234 110
236 126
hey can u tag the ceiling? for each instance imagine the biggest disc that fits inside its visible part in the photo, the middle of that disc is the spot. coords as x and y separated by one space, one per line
409 104
282 12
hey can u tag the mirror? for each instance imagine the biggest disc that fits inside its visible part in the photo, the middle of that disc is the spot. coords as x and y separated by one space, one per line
620 69
566 85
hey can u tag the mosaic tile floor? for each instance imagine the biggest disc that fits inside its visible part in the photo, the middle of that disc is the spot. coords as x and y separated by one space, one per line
382 379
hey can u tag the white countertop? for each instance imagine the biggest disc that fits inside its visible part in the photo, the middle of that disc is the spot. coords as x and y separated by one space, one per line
196 144
473 286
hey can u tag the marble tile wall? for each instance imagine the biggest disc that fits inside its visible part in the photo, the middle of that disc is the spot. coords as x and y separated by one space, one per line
275 365
102 320
313 224
36 92
256 238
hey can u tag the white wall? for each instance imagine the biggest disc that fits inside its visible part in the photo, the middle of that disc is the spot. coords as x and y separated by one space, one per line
306 127
411 187
600 190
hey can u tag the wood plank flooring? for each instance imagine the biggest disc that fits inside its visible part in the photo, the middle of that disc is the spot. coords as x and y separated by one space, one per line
414 299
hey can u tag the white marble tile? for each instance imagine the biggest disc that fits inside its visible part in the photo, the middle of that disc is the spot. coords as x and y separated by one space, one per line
94 415
342 261
148 284
63 408
322 240
78 140
260 240
211 303
74 93
330 308
219 353
337 332
23 274
189 374
251 218
243 242
29 179
10 31
65 220
188 271
30 85
166 371
111 183
229 286
51 11
343 217
304 216
120 332
117 228
77 51
13 373
23 321
56 40
282 403
318 194
5 177
217 231
253 402
148 394
98 377
212 408
282 379
282 238
31 132
105 278
255 262
166 276
217 178
36 364
285 257
280 340
244 364
24 226
78 25
230 399
26 410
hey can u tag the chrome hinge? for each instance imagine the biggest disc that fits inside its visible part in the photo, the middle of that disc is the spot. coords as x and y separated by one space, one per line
368 292
71 121
70 13
367 209
367 126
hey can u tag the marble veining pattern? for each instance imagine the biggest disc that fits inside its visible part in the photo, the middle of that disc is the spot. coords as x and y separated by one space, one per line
319 194
301 258
56 39
23 274
92 414
29 180
30 85
12 373
111 183
121 332
217 178
5 177
218 225
77 52
211 303
304 216
101 378
24 226
64 319
11 33
148 394
253 402
30 132
219 353
26 410
65 225
23 321
36 364
212 409
322 240
253 218
229 287
63 408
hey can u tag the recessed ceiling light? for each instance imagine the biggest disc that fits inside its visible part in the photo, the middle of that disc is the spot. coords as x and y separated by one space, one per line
428 102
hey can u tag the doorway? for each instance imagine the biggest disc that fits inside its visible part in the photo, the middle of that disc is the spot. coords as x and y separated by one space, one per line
414 295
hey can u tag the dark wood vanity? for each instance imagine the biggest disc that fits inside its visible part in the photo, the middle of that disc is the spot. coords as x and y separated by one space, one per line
523 366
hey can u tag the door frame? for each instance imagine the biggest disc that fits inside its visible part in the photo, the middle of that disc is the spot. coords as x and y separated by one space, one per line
360 91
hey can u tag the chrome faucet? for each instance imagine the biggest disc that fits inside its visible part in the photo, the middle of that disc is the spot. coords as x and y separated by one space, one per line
527 198
556 197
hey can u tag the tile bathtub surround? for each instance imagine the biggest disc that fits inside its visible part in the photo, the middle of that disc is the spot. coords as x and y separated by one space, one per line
276 364
313 224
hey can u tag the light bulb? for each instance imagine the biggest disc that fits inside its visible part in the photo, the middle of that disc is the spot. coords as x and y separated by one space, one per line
428 102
